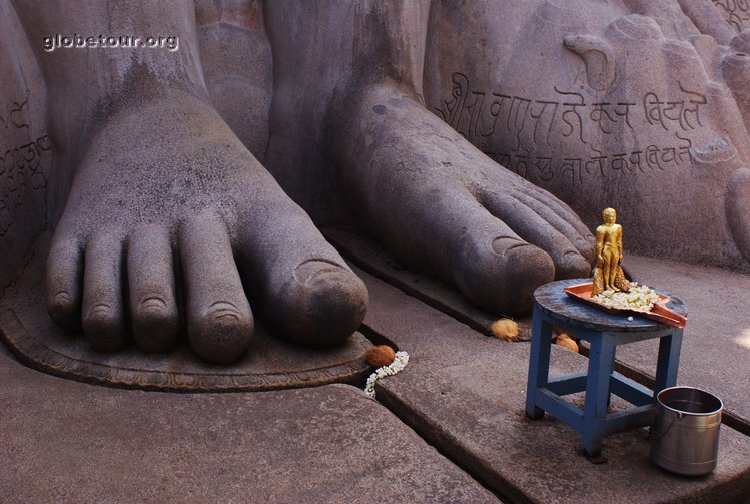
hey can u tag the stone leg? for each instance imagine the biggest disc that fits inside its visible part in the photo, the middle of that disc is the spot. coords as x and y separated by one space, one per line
169 217
348 107
26 151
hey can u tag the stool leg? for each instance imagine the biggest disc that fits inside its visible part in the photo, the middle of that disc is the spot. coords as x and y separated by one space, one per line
669 361
601 357
541 343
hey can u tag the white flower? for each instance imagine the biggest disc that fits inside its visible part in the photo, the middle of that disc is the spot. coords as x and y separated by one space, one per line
398 365
640 299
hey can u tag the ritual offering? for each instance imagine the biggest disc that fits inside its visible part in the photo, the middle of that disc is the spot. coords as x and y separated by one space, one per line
610 290
379 356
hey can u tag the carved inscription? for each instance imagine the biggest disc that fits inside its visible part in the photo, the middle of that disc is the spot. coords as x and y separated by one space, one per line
686 113
736 12
477 114
21 169
526 133
576 170
15 115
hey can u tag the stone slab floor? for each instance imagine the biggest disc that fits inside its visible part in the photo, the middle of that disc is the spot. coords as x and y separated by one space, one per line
450 428
64 441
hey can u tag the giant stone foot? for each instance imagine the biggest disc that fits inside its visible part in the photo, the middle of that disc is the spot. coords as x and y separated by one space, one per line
443 207
181 231
347 120
170 225
629 106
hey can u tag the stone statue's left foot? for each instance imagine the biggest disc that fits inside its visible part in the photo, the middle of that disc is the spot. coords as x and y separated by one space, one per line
442 206
347 117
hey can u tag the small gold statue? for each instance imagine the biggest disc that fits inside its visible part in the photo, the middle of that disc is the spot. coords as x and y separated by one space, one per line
608 274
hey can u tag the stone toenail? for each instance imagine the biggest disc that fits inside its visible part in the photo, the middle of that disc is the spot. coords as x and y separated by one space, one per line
313 270
100 310
153 304
502 244
223 309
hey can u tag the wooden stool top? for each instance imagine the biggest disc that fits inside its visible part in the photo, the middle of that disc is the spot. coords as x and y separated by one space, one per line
556 304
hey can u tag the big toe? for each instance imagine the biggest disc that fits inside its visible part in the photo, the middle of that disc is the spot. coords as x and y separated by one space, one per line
572 265
321 304
304 287
549 224
500 271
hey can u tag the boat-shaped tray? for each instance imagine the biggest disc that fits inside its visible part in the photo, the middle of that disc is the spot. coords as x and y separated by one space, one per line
659 312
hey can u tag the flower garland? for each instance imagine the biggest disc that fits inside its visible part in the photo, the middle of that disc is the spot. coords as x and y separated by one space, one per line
398 365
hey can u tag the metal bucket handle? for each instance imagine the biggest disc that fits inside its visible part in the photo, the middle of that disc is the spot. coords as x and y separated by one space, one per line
654 436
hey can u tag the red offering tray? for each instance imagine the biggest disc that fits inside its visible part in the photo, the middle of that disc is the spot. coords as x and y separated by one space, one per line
659 312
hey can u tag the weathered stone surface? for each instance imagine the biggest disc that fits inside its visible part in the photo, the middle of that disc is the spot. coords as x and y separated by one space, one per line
347 135
633 105
240 87
716 343
27 153
354 126
162 183
70 442
576 104
273 364
465 393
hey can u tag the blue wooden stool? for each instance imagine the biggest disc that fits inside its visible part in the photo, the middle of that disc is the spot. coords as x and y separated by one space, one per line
604 332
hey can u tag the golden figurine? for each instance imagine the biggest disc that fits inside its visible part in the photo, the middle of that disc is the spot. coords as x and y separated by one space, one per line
608 274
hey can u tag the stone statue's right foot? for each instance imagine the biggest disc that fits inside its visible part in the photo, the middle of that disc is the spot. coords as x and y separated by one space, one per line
176 233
